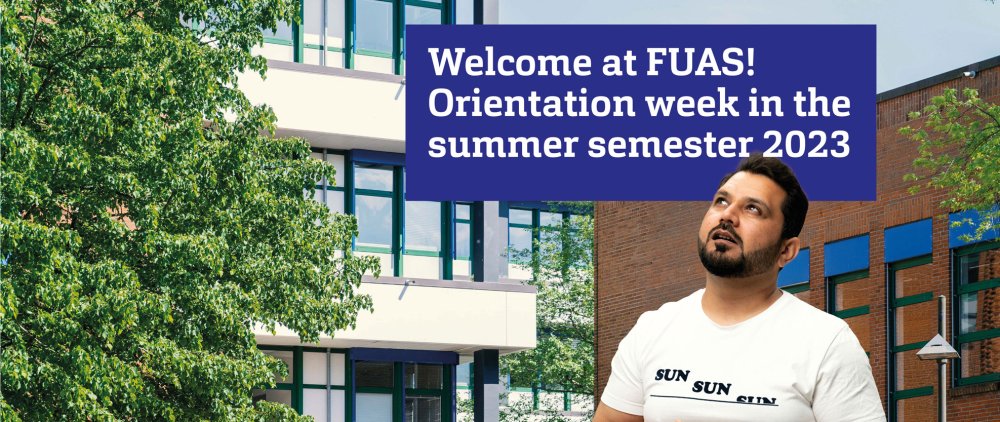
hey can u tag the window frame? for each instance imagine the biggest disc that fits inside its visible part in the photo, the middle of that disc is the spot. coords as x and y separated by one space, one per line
397 248
297 386
894 396
958 290
832 282
350 49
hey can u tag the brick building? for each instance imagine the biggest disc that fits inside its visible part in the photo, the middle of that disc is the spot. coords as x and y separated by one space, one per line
879 265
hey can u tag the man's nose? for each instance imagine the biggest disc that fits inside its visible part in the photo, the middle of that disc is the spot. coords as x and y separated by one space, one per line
730 215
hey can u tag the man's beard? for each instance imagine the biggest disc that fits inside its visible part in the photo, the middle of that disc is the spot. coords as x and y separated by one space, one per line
745 265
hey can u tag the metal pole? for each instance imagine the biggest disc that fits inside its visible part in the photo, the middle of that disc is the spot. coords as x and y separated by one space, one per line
942 363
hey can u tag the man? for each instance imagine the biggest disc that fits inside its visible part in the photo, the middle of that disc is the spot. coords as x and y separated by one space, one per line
741 349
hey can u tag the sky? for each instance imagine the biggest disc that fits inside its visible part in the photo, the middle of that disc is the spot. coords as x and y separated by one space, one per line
916 39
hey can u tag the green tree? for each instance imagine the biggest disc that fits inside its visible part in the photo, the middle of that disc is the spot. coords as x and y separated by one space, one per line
959 142
149 219
563 360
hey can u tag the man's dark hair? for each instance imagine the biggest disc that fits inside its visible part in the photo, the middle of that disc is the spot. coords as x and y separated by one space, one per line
795 206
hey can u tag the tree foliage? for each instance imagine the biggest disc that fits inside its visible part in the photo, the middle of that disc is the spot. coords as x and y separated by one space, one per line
149 219
959 143
563 267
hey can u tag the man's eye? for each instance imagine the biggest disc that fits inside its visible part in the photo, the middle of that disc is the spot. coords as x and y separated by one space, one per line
721 201
753 208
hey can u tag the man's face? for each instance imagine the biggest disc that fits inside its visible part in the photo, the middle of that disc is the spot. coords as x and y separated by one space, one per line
740 235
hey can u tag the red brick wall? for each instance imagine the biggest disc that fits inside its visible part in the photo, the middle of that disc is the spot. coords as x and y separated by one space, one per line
646 251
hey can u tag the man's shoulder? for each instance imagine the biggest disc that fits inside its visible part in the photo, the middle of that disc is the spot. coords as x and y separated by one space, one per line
670 310
808 318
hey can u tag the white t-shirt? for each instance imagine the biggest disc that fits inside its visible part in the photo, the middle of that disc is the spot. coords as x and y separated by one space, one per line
791 362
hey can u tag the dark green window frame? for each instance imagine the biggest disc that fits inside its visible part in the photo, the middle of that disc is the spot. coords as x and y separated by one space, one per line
350 50
328 186
895 396
831 296
297 386
831 304
397 247
399 393
536 228
960 289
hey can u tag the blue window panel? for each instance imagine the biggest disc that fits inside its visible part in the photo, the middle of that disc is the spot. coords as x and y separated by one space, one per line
403 355
796 271
844 256
955 233
908 241
378 157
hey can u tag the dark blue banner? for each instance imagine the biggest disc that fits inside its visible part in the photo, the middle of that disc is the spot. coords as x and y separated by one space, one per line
613 112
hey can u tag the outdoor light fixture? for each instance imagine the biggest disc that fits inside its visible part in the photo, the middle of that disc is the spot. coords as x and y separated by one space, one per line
970 73
938 349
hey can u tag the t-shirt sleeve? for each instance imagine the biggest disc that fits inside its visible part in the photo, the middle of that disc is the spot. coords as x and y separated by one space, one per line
845 389
624 391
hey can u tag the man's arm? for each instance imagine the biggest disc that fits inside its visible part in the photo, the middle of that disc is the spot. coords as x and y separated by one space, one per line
845 390
607 414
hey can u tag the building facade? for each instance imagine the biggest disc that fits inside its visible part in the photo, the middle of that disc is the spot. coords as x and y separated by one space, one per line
878 265
448 301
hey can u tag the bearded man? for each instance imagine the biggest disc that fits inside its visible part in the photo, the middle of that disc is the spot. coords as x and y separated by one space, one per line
741 349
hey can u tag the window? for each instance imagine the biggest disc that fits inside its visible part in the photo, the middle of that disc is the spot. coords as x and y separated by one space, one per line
912 320
377 28
520 233
848 298
331 192
420 392
794 277
374 207
849 290
409 237
315 385
534 229
462 256
977 313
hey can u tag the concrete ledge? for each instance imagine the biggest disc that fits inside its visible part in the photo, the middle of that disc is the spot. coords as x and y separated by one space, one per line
496 286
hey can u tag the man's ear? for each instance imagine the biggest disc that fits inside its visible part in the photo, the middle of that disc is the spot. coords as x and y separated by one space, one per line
789 250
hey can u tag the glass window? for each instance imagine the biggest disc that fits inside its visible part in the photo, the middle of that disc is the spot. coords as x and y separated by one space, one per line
374 25
463 375
423 408
463 211
312 21
288 358
517 216
424 376
374 216
464 12
422 16
978 278
373 407
282 33
849 296
329 192
373 374
335 24
277 396
374 177
374 205
463 240
463 231
548 232
423 226
520 245
321 391
912 320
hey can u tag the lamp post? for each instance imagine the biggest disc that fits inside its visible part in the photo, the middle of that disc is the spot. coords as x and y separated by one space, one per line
939 349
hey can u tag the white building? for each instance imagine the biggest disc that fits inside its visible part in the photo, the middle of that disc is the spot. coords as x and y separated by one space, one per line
447 295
